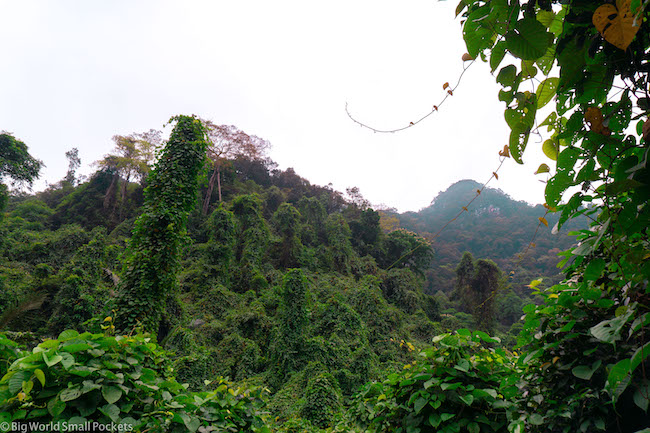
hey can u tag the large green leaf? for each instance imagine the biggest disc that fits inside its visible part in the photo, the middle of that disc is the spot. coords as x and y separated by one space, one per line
53 360
529 39
55 407
497 54
15 382
68 334
70 394
507 75
609 331
111 393
563 177
477 33
619 377
546 91
642 396
584 372
518 140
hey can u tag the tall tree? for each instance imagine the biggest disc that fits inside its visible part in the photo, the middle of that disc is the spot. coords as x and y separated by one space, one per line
15 163
227 142
149 283
477 284
131 158
74 162
287 224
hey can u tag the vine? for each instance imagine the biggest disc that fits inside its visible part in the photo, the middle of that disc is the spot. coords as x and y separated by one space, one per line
149 284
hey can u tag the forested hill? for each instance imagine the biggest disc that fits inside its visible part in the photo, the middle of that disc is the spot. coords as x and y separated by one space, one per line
495 227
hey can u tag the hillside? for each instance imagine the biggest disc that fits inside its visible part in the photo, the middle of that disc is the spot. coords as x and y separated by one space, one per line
282 304
280 283
495 227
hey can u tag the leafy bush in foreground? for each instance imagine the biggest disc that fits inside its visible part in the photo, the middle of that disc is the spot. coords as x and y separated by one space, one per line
459 384
121 379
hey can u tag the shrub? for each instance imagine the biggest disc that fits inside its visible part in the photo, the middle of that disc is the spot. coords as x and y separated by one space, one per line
121 379
459 384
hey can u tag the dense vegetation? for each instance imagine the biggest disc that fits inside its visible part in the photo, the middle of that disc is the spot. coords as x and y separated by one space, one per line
273 304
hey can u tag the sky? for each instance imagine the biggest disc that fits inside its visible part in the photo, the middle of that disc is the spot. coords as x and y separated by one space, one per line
76 72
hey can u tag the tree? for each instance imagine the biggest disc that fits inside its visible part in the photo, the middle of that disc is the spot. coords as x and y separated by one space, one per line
131 158
287 223
477 284
405 249
288 353
149 284
227 142
16 162
74 162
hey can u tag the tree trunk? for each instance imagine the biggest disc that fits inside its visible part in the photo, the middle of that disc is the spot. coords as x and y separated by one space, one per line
110 192
125 185
208 194
219 182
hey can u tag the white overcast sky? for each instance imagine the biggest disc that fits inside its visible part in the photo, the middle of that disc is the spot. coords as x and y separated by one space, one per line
75 73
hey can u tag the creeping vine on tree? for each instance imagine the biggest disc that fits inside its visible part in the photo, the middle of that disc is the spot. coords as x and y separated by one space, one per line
150 281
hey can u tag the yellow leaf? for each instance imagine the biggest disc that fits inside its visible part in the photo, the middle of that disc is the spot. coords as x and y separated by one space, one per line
552 296
555 359
465 209
496 176
543 221
543 168
550 148
616 23
108 319
444 86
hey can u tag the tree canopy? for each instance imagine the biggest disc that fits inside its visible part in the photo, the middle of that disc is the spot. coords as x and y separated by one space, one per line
16 162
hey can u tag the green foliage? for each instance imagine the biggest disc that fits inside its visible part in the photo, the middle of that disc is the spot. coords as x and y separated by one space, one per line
158 235
456 384
339 250
398 287
405 249
322 400
16 162
289 347
366 233
9 352
314 216
253 240
223 242
287 223
586 345
96 203
94 377
477 285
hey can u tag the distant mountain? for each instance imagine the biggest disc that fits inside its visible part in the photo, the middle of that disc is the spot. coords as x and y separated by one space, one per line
494 227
